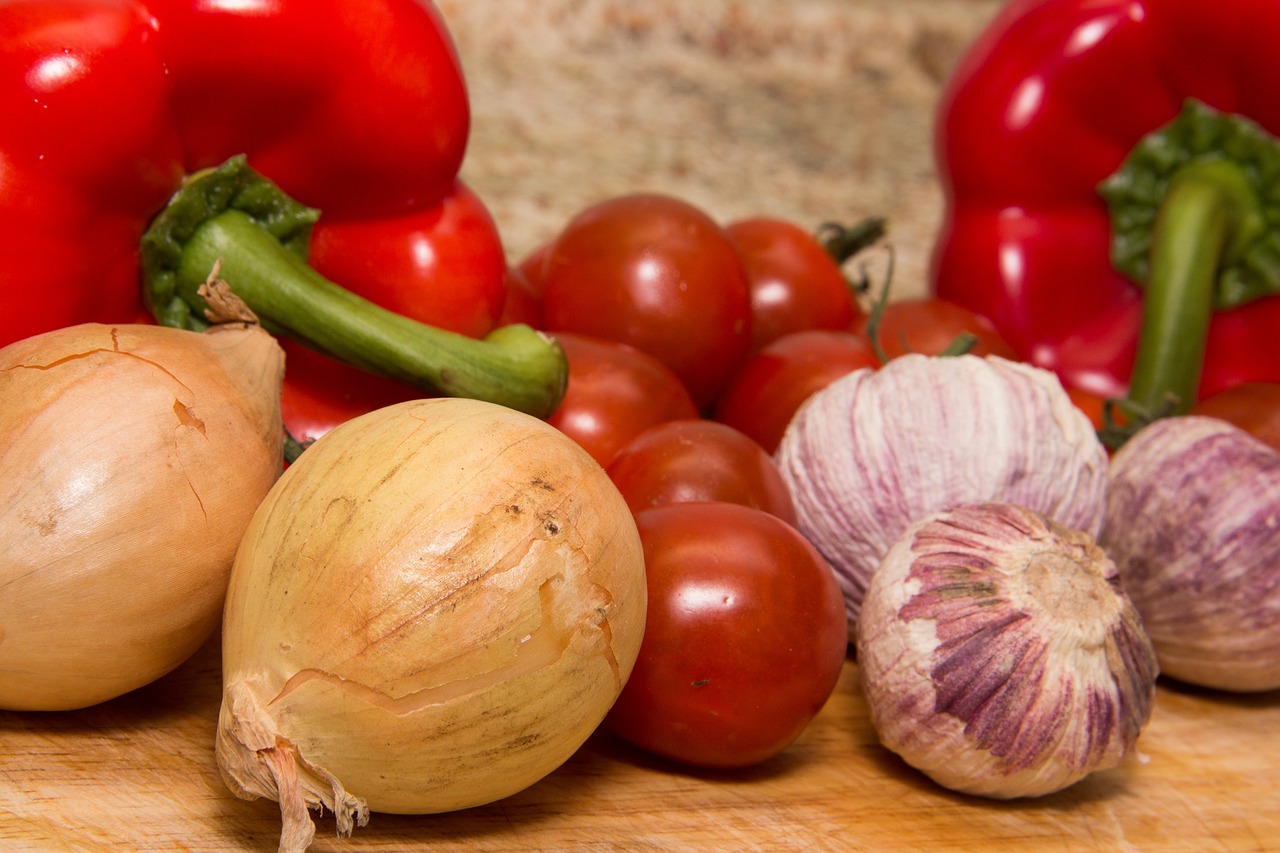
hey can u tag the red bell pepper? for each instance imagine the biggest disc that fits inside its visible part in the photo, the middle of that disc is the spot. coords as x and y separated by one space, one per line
1065 111
357 108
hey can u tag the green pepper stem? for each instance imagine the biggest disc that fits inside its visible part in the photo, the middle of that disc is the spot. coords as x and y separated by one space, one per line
1209 210
220 217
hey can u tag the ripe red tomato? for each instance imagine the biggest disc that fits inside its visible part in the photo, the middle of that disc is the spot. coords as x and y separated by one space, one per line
1252 406
745 638
443 265
533 268
765 393
794 283
659 274
615 392
1093 405
684 461
523 304
929 325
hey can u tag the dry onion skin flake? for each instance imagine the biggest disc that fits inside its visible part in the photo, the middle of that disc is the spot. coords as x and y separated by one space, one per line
1193 522
432 610
999 654
880 449
131 460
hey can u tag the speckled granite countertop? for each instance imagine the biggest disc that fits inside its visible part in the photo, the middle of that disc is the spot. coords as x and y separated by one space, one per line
812 110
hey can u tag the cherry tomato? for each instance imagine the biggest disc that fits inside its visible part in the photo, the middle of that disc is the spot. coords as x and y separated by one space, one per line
534 266
745 636
615 393
523 304
659 274
929 325
443 265
794 283
1093 405
685 461
765 393
1252 406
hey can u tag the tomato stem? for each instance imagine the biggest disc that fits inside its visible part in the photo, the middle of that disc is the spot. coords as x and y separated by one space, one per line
233 216
963 343
842 242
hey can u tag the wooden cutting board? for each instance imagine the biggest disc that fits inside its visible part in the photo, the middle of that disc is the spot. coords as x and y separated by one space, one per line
138 774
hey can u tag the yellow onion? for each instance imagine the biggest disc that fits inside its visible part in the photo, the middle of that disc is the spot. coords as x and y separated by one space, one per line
131 460
432 609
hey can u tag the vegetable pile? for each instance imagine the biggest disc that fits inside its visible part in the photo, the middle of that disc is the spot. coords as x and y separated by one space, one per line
264 362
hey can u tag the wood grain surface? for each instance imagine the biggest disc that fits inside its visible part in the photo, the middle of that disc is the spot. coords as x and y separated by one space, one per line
138 774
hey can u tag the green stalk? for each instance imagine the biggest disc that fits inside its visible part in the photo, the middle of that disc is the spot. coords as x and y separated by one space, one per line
233 217
1195 219
1209 208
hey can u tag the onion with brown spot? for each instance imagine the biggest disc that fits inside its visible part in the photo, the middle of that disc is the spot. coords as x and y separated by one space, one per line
131 459
433 609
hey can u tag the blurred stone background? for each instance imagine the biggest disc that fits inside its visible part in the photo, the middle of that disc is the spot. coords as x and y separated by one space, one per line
811 110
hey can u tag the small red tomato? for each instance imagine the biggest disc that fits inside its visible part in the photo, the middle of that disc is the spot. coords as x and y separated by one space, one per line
615 392
533 268
659 274
1091 404
1252 406
685 461
794 283
443 265
744 641
765 393
523 304
928 325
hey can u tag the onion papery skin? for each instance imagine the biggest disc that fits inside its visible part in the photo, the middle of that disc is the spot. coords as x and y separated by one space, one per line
999 654
880 449
433 609
1193 522
131 460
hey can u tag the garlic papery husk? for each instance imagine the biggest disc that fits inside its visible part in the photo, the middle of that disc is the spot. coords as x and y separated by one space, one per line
880 449
432 609
131 459
1000 655
1193 522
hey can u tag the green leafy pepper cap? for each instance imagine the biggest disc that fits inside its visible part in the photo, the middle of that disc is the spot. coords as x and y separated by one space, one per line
1202 138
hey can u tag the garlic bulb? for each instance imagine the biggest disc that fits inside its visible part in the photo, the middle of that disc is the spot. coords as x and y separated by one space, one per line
1193 522
879 449
131 459
433 609
999 654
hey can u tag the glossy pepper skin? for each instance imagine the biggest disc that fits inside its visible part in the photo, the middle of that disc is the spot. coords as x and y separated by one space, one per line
355 107
1046 105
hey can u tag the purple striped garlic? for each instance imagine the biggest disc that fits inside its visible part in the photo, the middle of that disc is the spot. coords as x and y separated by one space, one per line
1193 522
879 449
999 654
